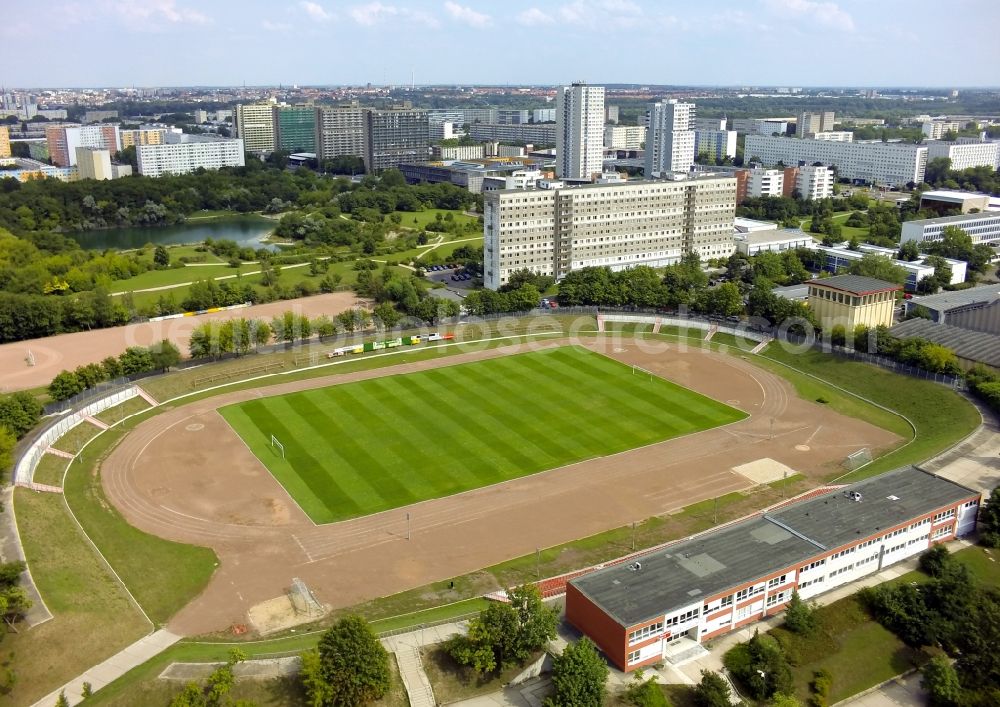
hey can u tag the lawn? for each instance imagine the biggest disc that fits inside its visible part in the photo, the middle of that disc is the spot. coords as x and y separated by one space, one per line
76 437
50 470
93 616
162 575
361 448
846 232
941 416
119 412
420 219
175 276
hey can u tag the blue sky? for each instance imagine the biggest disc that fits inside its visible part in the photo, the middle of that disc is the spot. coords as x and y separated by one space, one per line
729 42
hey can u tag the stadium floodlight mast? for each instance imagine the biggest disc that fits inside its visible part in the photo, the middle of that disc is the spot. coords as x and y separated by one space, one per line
279 445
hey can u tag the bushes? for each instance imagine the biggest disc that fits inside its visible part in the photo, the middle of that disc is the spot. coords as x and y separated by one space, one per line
712 691
132 361
820 687
761 666
799 617
19 413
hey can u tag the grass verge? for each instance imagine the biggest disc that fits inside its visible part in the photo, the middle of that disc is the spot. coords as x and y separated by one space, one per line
452 682
119 412
50 470
162 575
93 616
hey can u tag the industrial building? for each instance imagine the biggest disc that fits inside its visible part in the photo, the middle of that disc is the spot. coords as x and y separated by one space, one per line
552 231
663 603
975 309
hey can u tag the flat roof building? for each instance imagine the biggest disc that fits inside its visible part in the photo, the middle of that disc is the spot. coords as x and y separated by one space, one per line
964 155
94 163
808 123
340 132
185 153
971 347
975 309
4 141
852 300
670 139
981 228
617 225
771 240
579 131
295 128
253 123
885 163
394 137
717 144
660 603
948 199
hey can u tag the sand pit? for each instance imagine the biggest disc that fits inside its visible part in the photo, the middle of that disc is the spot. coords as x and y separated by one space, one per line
765 471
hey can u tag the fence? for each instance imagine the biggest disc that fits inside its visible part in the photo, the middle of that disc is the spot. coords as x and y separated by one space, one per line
24 471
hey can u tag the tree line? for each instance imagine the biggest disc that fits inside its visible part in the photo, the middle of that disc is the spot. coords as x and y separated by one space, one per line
134 360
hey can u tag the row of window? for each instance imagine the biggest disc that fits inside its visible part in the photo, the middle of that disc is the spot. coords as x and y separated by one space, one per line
941 532
776 581
683 618
812 565
944 515
744 594
645 632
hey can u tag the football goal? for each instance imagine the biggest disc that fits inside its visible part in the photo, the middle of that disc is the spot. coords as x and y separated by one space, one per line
277 446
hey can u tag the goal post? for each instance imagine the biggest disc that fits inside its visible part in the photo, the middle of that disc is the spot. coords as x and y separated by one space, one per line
858 459
276 445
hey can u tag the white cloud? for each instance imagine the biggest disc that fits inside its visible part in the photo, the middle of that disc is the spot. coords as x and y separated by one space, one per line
375 13
467 15
826 13
317 11
275 26
534 16
154 12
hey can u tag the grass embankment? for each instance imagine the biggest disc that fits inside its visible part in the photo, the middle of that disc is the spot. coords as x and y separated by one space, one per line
345 446
162 575
50 469
939 415
120 412
93 616
76 437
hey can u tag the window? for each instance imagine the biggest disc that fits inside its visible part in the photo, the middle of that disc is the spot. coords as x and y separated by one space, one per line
683 618
645 632
727 601
777 581
633 656
944 515
813 565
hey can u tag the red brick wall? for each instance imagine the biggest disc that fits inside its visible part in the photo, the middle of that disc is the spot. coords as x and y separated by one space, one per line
607 633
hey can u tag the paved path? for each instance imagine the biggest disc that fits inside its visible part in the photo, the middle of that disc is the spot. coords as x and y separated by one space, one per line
11 551
900 692
113 668
975 461
407 647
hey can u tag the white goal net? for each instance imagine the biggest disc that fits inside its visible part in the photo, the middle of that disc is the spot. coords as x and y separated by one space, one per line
858 458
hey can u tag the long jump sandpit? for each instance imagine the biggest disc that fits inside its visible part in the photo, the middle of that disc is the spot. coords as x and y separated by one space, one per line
67 351
186 476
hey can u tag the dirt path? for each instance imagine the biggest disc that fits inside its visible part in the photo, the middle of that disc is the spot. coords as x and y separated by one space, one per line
67 351
184 475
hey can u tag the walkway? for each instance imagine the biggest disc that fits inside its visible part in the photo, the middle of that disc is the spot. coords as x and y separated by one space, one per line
407 647
11 551
975 461
113 668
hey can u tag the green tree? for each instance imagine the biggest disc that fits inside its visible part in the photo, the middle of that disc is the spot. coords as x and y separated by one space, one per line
712 691
989 517
386 315
350 667
799 617
61 701
164 355
7 442
940 680
161 257
216 688
19 412
578 676
65 385
645 693
880 267
780 699
908 251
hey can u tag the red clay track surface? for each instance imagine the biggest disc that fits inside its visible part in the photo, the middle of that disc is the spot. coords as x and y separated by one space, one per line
67 351
186 476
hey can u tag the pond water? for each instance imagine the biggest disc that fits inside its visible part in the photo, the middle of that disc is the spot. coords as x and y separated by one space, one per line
247 231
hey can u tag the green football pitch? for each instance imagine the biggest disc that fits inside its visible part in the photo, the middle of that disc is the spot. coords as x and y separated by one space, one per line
364 447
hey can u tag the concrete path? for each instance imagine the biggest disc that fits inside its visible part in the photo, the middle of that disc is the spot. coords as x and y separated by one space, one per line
407 647
975 461
901 692
113 668
11 551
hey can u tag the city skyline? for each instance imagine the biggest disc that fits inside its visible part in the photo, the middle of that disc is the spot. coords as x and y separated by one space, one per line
182 43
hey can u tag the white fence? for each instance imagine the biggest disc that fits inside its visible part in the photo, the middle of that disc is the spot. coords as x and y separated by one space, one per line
24 472
683 323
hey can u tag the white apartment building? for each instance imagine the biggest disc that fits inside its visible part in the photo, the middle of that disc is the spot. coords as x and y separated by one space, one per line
982 228
553 231
719 144
254 124
759 126
814 182
579 131
624 137
935 129
765 182
835 136
444 130
964 155
142 136
670 139
711 124
885 163
185 153
94 163
543 115
459 152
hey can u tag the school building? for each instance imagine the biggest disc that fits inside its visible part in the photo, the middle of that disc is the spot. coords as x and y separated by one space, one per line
665 602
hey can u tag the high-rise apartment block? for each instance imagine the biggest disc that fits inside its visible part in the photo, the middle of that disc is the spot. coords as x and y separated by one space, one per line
966 153
295 128
811 123
394 137
556 230
624 137
143 136
183 153
93 163
611 114
64 139
4 141
717 144
936 129
340 132
670 139
814 182
579 131
254 124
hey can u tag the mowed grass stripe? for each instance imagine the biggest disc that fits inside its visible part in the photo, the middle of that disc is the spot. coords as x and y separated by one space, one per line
372 482
406 440
359 448
298 464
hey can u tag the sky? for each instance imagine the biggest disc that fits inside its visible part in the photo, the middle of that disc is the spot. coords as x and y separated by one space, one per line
880 43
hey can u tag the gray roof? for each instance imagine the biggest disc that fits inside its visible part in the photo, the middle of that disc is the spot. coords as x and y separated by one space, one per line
676 576
689 571
950 300
856 284
970 345
792 292
959 218
834 520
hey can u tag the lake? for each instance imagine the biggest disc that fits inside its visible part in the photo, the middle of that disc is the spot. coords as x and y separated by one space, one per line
245 230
